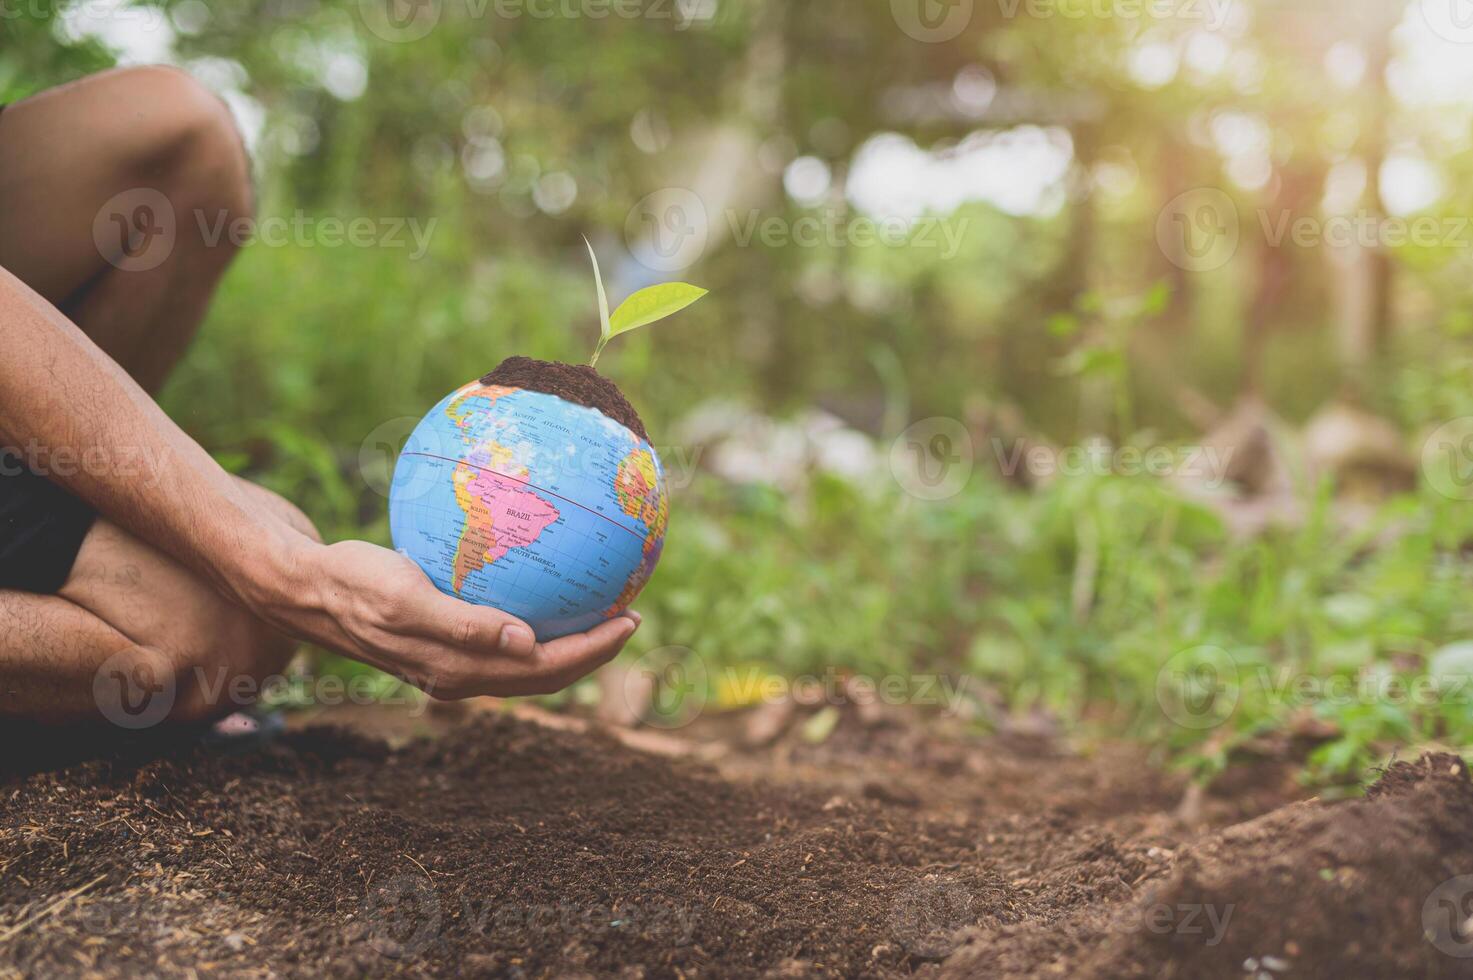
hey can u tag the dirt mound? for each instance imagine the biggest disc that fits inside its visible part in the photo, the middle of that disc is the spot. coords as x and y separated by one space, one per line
1372 888
577 383
505 848
502 848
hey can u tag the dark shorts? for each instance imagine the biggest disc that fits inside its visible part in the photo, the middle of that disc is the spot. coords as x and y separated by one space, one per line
41 529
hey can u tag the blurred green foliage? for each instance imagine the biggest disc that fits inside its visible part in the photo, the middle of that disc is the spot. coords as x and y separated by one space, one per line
1077 596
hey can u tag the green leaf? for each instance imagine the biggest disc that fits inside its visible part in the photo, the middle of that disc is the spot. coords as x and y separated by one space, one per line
1155 300
817 729
603 306
1063 324
653 303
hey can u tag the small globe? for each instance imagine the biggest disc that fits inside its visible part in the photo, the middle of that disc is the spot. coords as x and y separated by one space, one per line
524 501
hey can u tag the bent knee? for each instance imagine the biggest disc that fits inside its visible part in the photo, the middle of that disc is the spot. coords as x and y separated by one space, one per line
177 135
220 665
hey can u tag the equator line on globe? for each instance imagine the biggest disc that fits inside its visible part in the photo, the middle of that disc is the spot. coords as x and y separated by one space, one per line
534 490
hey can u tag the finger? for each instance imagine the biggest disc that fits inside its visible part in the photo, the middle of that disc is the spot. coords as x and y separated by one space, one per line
582 652
571 657
471 628
585 667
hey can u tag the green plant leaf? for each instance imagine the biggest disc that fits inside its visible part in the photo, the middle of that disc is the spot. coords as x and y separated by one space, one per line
603 306
653 303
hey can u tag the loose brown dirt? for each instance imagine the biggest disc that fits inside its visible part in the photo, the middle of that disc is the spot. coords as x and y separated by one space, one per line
577 383
506 848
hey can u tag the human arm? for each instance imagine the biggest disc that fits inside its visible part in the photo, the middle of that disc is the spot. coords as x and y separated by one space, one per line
61 397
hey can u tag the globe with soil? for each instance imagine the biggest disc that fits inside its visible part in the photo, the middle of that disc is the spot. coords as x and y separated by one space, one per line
534 490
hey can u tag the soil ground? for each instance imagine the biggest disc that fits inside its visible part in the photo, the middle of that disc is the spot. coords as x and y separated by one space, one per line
577 383
503 847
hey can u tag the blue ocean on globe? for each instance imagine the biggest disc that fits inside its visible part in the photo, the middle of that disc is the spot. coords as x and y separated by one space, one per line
520 500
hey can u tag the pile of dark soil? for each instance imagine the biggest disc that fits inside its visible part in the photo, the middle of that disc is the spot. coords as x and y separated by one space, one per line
576 383
504 848
1379 887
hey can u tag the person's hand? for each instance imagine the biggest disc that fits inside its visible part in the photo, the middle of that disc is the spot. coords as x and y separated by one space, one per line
379 607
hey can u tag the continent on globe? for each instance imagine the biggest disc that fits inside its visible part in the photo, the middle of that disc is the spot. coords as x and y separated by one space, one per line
520 499
463 417
500 514
638 489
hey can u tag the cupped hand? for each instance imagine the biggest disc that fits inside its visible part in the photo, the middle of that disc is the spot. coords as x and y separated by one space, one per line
379 607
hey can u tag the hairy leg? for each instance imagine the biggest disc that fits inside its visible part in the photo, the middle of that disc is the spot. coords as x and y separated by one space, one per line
133 639
77 163
111 191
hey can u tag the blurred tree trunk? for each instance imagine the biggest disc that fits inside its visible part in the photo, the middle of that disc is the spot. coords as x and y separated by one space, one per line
1069 278
1367 277
1174 180
1295 190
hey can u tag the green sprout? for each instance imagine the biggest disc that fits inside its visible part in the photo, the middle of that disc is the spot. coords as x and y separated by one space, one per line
639 309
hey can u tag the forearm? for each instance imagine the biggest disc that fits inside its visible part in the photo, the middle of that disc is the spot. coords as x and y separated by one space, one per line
75 414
